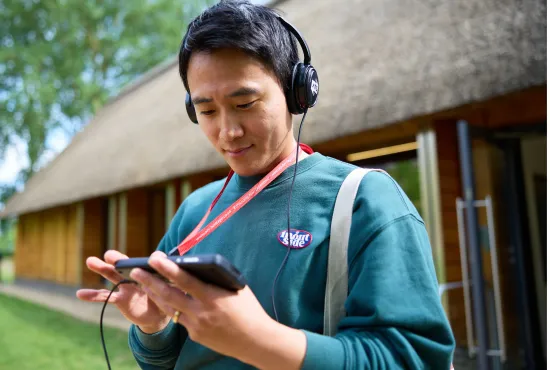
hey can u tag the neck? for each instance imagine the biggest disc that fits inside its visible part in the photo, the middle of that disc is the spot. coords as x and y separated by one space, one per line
288 149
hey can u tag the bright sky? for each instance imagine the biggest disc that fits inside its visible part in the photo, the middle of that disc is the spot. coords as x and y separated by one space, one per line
14 160
15 157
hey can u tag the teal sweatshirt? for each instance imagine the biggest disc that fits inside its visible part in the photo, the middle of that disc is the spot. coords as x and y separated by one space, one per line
394 316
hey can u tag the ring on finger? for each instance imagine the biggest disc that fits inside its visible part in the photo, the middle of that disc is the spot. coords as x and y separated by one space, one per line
176 317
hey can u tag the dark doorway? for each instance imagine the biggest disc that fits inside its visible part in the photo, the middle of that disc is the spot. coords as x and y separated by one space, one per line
499 169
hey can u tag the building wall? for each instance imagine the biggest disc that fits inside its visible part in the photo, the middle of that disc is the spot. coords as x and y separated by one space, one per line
28 251
137 228
451 188
47 246
94 239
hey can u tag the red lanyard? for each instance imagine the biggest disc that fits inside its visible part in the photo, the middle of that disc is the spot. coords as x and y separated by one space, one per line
195 237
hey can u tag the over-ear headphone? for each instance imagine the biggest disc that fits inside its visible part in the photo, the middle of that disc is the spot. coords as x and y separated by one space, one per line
304 82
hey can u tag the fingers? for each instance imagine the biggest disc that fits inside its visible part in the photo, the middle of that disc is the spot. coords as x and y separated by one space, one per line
92 295
165 294
183 280
104 269
158 254
112 256
161 303
182 319
185 315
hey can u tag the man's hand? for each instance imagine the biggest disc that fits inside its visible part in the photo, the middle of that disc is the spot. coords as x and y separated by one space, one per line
130 300
230 323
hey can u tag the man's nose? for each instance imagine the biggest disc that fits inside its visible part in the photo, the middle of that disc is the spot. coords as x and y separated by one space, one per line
230 128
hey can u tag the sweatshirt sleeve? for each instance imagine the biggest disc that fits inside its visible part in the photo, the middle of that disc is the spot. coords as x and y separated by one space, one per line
158 351
394 318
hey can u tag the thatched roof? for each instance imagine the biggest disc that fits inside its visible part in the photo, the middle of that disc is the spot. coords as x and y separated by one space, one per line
379 62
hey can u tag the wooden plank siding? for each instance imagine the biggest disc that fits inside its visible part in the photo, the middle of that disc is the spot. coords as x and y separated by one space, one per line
137 226
451 188
94 236
47 246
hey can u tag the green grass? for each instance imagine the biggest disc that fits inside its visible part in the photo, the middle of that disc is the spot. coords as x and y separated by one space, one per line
33 337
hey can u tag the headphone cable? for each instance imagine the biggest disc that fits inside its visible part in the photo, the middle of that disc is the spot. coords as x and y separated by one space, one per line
288 220
124 281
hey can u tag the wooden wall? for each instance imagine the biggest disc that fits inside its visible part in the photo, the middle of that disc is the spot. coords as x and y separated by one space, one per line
137 223
156 217
47 246
451 188
48 241
94 240
28 251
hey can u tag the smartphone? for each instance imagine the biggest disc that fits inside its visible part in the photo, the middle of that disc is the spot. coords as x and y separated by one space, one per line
211 268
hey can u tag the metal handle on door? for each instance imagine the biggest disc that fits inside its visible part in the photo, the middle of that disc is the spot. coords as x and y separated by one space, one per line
496 278
487 202
465 276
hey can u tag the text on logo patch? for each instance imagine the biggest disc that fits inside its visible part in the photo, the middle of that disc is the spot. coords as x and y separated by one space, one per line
298 238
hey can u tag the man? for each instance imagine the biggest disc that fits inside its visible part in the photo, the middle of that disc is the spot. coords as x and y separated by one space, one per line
236 62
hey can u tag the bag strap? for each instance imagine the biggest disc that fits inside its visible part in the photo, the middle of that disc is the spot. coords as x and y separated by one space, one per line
336 290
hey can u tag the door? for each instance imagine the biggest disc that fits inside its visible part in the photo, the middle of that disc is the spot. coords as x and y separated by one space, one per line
499 294
533 152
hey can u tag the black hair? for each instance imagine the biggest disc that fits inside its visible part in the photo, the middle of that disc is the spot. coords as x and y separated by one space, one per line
238 24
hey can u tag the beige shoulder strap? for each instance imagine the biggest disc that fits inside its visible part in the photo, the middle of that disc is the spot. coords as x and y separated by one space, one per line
336 290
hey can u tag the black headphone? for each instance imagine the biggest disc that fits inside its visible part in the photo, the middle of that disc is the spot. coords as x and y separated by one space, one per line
304 82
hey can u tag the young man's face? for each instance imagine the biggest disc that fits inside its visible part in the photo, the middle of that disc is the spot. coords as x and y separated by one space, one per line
242 110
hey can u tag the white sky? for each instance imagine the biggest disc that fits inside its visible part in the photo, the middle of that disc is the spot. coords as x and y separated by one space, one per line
15 158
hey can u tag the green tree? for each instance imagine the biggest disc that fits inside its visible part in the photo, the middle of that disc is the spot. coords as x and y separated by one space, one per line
60 60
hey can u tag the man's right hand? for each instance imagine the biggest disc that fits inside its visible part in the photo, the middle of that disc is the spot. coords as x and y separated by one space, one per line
130 299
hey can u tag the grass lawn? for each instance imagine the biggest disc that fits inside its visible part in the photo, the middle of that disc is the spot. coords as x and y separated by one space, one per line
33 337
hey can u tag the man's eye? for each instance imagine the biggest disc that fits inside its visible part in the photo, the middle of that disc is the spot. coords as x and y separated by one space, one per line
247 105
207 112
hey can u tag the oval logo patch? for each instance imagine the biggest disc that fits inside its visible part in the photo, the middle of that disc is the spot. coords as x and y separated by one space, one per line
298 238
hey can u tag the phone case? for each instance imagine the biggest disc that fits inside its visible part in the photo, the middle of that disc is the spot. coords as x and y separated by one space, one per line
212 269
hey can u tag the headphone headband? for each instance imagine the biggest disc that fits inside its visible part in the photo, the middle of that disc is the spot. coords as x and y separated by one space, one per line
299 37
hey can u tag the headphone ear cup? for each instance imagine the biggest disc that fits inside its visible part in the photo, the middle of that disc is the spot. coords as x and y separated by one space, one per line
306 87
290 94
190 109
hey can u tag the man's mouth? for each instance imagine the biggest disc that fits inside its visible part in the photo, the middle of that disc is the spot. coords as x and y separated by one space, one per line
238 151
